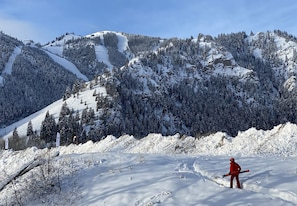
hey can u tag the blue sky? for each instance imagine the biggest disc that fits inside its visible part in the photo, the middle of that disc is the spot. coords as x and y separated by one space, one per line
44 20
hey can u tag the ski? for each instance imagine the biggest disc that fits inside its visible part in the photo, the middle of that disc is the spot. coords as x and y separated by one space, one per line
239 172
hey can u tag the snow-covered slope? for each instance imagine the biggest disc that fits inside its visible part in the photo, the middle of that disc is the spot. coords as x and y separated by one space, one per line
280 48
54 109
8 65
56 47
67 65
55 51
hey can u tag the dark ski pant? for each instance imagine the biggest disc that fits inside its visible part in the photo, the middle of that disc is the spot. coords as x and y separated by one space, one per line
237 181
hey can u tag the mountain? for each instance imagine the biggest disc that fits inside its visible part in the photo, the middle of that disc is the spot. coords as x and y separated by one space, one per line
192 86
29 79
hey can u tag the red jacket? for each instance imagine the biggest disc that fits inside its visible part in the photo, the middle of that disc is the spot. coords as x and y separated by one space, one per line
234 168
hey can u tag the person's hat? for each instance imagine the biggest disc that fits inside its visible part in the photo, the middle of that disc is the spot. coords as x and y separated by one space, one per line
232 159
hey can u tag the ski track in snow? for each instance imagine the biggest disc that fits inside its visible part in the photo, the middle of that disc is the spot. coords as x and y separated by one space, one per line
193 168
8 66
189 171
67 65
155 199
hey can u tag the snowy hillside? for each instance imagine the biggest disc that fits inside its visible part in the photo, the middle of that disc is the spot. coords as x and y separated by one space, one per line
102 55
68 65
155 170
280 47
54 109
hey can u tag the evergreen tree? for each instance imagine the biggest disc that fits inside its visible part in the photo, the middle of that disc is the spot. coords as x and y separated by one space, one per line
64 111
91 116
84 116
15 134
17 143
76 87
30 129
48 129
67 93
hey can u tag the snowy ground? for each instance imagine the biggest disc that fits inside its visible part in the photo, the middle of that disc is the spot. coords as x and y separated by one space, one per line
156 170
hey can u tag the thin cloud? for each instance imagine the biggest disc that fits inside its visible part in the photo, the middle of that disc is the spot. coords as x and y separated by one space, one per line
22 30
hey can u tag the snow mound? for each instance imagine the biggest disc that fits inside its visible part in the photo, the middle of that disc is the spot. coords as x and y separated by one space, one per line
280 141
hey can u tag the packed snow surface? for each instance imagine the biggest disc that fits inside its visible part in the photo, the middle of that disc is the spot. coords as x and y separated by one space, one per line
156 170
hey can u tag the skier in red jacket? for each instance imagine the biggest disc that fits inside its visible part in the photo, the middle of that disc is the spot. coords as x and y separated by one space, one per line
234 172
